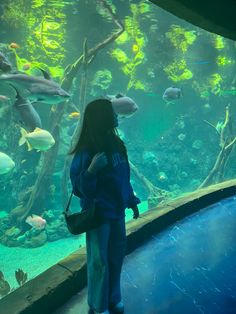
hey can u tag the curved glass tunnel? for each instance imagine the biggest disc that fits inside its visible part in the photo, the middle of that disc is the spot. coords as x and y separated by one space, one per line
189 267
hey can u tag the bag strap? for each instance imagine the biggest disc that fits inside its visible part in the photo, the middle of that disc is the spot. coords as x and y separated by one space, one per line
68 204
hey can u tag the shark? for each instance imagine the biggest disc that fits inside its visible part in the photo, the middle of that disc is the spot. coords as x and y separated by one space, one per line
40 89
28 114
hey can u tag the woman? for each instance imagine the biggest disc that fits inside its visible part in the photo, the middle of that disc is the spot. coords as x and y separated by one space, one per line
100 175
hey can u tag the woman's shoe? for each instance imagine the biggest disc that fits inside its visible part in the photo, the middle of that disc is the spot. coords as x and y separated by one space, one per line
117 308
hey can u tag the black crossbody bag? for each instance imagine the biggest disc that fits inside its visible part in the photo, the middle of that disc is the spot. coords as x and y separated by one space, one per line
83 221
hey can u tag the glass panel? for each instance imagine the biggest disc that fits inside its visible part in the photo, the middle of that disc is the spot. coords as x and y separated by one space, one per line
56 57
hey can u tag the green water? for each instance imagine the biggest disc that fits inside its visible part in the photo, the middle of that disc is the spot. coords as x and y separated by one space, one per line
174 145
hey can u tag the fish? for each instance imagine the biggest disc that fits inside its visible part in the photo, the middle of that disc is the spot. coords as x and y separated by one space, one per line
172 93
36 221
5 65
162 176
6 163
26 66
123 106
4 98
39 139
14 45
41 89
74 115
27 112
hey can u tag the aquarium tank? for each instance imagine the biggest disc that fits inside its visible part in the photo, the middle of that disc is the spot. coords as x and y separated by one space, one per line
180 139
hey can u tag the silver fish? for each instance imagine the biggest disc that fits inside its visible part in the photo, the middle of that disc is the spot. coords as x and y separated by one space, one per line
172 93
123 106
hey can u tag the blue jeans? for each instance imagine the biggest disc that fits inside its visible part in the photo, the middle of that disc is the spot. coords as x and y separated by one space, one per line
106 247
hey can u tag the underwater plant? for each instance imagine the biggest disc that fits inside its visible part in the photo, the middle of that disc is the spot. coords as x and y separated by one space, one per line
214 82
177 71
44 34
224 60
180 38
14 14
5 288
120 55
218 41
21 276
134 41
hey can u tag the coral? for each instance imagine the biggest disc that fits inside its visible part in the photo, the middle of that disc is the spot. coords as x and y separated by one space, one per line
12 232
193 161
16 213
9 236
57 230
197 144
180 38
35 239
181 136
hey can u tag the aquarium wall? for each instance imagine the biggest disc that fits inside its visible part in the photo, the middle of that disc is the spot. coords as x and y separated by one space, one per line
180 139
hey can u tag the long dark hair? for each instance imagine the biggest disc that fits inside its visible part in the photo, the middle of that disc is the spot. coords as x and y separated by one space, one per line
98 133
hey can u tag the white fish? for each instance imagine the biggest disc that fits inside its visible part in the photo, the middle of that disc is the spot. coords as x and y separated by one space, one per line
36 222
6 163
4 98
39 139
124 106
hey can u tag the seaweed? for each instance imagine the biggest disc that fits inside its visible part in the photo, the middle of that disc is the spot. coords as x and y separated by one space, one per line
5 288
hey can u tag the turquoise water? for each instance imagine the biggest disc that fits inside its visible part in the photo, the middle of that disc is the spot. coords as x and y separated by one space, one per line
140 51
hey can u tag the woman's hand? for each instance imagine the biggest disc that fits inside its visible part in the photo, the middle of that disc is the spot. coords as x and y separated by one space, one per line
99 161
135 212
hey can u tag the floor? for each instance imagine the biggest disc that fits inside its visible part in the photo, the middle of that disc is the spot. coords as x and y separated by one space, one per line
188 268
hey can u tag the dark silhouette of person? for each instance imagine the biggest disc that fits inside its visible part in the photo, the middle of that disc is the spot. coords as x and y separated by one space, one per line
100 176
